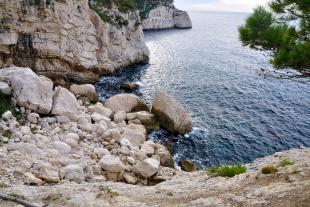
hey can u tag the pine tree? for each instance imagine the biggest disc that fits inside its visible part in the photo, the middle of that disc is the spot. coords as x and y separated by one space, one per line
284 29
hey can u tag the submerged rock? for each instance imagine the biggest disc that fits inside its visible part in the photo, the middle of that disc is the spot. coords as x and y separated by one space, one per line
129 86
187 166
171 114
126 102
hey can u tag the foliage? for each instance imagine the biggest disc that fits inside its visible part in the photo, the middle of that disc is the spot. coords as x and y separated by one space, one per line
5 103
108 191
8 134
285 163
100 8
269 169
227 170
285 30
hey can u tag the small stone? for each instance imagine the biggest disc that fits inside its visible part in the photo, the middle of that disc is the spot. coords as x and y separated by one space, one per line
32 180
129 178
33 118
5 88
119 116
111 163
187 166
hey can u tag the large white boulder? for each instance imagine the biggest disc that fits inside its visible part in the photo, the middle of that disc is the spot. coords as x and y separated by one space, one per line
111 164
86 90
126 102
100 109
73 172
171 114
65 104
30 90
146 168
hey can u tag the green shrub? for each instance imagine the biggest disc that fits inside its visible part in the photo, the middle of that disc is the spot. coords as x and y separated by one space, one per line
5 103
7 134
269 169
227 170
285 163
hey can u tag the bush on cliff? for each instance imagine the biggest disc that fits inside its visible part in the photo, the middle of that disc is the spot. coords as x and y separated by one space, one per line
5 104
227 170
285 31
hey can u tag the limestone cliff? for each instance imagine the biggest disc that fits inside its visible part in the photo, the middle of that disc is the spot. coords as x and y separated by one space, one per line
164 17
68 40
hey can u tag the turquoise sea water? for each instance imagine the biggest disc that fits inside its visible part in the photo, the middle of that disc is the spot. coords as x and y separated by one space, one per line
241 110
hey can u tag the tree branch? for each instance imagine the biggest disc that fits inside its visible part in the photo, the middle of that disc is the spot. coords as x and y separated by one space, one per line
18 201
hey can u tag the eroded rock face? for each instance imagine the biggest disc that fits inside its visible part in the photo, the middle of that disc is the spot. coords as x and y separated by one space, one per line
36 96
67 39
164 17
171 114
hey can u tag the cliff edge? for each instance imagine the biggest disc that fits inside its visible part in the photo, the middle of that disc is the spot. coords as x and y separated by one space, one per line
67 40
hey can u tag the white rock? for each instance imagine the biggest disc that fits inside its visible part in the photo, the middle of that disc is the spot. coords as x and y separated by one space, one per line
5 88
73 172
32 180
98 117
64 103
111 163
61 147
171 114
7 115
126 102
119 116
100 109
86 90
49 174
148 147
100 152
36 96
146 168
25 130
33 118
134 137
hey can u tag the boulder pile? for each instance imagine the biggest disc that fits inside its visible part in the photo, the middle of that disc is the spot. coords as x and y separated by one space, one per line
59 135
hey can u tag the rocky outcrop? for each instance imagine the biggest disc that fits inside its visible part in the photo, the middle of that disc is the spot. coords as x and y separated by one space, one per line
171 114
164 17
76 141
289 187
68 40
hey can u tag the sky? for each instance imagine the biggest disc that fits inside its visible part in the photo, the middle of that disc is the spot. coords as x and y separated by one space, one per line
219 5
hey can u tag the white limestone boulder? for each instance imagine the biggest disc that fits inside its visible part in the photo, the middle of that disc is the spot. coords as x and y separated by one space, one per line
64 103
126 102
146 168
171 114
86 90
111 164
30 90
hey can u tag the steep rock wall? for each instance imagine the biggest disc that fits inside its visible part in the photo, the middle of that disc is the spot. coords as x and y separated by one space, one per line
164 17
68 40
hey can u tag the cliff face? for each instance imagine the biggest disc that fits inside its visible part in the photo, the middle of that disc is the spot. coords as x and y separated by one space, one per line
68 40
164 17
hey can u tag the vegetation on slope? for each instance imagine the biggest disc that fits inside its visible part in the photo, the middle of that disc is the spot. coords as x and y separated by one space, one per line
284 29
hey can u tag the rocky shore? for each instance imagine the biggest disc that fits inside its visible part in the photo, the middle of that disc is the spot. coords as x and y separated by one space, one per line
59 134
